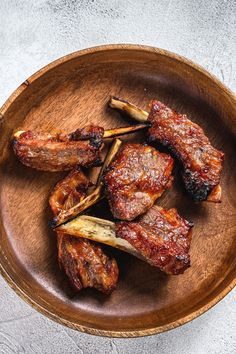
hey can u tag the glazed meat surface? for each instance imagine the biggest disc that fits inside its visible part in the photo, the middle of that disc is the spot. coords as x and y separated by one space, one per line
69 191
162 237
202 164
59 152
86 265
84 262
136 178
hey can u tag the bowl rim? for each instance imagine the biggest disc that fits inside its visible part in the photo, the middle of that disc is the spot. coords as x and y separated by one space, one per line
17 288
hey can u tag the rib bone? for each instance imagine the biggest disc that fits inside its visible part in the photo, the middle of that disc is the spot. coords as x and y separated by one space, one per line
127 107
98 230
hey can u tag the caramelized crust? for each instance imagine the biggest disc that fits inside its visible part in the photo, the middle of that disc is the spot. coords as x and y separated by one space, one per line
91 132
136 178
69 191
162 237
83 261
59 152
86 265
202 164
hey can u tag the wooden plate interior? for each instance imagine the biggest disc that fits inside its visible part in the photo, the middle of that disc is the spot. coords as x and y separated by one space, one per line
70 94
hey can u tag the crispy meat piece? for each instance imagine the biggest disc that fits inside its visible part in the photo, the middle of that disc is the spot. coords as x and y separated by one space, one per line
136 178
59 151
86 265
201 162
83 261
91 132
69 191
162 237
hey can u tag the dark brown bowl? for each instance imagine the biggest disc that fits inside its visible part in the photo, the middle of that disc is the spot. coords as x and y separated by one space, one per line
68 94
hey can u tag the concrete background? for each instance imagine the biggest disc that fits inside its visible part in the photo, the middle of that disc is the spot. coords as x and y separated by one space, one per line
33 33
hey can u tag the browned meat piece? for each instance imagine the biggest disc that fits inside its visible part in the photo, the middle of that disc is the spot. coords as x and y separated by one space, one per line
136 178
59 152
91 132
83 261
94 196
86 265
202 163
162 237
69 191
62 152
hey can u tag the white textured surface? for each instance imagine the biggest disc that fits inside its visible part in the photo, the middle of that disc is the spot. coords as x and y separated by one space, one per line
35 32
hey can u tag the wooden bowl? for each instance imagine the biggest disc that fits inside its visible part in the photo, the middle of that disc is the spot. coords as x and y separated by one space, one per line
72 92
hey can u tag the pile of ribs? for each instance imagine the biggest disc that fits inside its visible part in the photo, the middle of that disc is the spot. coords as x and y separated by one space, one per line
132 178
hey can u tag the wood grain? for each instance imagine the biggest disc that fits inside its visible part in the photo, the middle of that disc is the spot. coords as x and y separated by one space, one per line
68 94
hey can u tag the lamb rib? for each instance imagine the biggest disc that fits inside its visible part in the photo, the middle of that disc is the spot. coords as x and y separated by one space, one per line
137 176
63 152
202 163
160 237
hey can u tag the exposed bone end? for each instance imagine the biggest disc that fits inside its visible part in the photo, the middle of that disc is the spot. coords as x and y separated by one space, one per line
109 157
135 112
122 131
99 230
109 133
17 134
215 196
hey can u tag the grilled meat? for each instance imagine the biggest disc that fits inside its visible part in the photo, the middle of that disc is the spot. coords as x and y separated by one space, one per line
69 191
83 261
162 237
86 265
59 151
202 163
136 178
62 152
